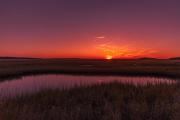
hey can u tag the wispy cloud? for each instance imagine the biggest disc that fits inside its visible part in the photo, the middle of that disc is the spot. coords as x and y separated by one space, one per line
100 37
123 51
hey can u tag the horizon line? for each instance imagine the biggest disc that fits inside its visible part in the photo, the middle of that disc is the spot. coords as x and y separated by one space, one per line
14 57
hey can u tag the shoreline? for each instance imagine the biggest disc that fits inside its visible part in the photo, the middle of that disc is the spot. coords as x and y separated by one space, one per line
86 73
152 68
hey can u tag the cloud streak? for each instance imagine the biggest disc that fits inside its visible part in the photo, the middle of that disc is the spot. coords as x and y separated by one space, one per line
100 37
123 51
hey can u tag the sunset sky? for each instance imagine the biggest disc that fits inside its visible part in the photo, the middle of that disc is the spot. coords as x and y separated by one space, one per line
90 28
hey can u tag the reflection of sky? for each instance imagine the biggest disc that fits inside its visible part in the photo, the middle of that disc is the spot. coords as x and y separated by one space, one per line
69 28
33 84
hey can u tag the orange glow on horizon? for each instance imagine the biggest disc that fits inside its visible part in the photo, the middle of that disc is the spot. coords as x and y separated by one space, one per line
99 49
109 57
125 51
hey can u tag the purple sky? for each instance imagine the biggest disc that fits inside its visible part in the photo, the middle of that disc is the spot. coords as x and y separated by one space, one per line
90 28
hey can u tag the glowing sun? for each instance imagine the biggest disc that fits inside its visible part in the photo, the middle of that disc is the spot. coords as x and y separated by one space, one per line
109 57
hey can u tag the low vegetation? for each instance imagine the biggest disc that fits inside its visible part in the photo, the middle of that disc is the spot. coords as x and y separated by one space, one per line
112 101
10 68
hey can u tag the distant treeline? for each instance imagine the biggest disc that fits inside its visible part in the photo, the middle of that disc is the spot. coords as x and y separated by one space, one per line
17 58
175 58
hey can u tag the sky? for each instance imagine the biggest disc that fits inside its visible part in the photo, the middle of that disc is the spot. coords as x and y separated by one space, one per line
90 28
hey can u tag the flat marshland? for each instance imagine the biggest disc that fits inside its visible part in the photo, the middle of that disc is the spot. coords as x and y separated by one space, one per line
160 68
111 101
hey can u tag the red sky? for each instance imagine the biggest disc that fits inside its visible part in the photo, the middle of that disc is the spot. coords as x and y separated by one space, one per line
90 29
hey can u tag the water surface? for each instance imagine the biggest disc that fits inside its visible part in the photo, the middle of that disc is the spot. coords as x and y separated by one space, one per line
32 84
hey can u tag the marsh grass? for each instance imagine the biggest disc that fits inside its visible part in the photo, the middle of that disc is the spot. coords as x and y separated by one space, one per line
157 68
113 101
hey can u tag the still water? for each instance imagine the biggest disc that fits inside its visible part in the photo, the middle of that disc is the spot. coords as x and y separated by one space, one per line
32 84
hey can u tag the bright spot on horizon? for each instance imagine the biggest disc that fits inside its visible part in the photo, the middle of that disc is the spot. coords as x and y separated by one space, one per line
109 57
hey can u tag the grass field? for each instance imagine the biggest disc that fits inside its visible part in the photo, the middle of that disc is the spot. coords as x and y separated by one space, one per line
112 101
17 67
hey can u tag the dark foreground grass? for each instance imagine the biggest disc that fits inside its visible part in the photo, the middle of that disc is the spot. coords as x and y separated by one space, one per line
18 67
112 101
